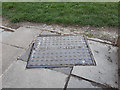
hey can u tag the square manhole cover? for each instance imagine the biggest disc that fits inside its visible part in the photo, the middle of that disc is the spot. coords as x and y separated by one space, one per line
60 51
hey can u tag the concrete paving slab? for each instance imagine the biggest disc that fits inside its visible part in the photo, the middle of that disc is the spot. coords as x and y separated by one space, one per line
19 77
0 37
79 83
0 83
65 70
4 35
9 54
106 70
25 55
22 37
0 59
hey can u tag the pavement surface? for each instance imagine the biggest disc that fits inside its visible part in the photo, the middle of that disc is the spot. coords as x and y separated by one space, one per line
15 51
19 77
105 72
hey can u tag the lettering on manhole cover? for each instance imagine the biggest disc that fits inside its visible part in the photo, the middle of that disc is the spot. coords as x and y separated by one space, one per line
60 51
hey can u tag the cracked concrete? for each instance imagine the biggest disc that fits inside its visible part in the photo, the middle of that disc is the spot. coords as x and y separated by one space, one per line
14 43
18 76
22 37
106 71
0 59
4 35
80 83
9 54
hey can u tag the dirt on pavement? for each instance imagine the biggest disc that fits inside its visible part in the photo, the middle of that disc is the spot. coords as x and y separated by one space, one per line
104 33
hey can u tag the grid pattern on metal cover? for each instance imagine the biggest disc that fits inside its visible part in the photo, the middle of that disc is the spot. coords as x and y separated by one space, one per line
60 51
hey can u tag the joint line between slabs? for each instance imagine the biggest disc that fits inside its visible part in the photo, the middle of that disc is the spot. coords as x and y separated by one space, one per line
68 78
97 84
13 46
8 68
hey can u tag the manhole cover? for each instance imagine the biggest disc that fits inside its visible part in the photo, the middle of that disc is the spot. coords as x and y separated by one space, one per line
60 51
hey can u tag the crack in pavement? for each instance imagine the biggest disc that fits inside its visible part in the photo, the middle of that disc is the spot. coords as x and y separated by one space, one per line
14 46
8 68
68 78
16 58
92 82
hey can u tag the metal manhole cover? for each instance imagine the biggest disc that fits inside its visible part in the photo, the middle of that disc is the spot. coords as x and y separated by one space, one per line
60 51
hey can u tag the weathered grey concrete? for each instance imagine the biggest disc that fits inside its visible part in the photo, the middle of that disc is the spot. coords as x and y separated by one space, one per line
25 55
65 70
4 35
22 37
0 83
0 36
79 83
0 59
9 54
19 77
106 71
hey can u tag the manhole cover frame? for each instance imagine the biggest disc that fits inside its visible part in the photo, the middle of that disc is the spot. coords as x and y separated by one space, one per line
62 66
